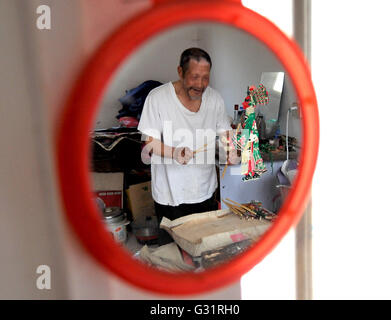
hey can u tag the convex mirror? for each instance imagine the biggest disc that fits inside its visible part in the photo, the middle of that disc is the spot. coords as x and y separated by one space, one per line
245 47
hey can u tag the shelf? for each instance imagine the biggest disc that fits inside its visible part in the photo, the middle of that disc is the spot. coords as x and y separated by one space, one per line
280 156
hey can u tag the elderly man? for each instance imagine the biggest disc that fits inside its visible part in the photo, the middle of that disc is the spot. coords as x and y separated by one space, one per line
181 120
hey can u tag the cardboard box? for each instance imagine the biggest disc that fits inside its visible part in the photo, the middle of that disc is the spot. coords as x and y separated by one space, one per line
109 187
140 200
201 232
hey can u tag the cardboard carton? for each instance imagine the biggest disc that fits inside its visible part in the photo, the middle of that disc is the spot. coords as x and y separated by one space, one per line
200 232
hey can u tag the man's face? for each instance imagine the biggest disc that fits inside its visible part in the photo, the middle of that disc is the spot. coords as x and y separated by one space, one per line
196 78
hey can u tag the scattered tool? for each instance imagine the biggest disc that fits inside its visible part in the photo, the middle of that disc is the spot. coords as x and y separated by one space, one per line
242 206
252 210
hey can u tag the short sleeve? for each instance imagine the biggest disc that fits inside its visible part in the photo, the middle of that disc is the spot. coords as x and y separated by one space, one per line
223 123
150 123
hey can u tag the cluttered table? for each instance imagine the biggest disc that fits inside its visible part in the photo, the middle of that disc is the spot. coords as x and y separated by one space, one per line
201 240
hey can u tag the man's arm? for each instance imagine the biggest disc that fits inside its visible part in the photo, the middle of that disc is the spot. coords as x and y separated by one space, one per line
182 154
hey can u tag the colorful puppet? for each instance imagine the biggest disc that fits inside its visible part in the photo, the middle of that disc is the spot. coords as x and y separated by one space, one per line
246 137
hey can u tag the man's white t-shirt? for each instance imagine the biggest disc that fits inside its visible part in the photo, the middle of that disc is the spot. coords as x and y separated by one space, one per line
165 118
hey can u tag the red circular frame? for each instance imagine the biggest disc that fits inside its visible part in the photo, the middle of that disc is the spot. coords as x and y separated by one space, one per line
73 142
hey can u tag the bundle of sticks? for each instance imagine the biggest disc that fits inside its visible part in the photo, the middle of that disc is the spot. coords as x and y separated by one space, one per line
253 210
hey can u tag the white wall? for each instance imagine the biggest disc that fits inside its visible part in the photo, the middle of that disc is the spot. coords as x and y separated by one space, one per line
351 208
32 228
238 61
288 98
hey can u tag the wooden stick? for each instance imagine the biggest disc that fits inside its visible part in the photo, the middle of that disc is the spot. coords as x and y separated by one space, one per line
234 210
231 206
225 169
239 208
244 207
204 148
237 212
235 206
227 204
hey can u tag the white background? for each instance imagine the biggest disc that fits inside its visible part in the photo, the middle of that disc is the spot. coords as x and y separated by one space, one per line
351 187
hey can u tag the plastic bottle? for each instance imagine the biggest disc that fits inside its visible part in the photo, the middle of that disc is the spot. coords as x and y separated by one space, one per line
236 116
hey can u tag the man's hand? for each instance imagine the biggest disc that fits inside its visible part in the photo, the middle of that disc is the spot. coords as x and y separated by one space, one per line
182 155
233 157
